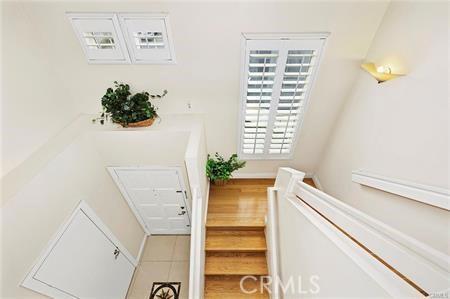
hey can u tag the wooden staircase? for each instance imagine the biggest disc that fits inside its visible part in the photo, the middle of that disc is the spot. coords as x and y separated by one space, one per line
235 241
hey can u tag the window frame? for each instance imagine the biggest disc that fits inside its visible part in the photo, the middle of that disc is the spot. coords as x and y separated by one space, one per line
123 42
116 34
164 18
283 43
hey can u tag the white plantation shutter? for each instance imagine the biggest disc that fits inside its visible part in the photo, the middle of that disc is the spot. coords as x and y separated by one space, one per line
296 79
119 38
100 37
148 37
261 74
278 80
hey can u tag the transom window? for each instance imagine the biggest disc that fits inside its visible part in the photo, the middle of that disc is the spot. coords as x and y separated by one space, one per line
120 38
278 79
148 40
99 40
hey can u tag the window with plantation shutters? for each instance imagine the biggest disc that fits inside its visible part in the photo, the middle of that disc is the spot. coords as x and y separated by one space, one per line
123 38
100 37
278 79
261 74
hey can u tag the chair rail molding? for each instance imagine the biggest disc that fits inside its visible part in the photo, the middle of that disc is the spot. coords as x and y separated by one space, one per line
435 196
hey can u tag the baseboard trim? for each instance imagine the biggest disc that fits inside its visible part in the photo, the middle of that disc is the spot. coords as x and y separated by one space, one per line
316 181
141 248
255 175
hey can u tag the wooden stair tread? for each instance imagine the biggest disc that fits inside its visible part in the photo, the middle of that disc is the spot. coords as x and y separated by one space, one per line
235 241
228 287
234 222
237 264
239 242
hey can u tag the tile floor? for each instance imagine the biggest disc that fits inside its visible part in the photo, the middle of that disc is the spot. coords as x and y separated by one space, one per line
165 258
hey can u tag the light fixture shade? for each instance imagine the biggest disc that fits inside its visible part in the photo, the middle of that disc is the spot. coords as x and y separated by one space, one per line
380 77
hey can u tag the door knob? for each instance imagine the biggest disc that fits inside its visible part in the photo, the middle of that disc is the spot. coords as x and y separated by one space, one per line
182 213
116 253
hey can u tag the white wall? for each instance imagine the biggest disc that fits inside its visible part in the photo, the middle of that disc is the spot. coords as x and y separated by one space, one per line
49 80
399 128
142 148
40 195
326 271
35 103
32 216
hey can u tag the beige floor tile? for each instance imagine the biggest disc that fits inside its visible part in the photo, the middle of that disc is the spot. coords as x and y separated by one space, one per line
159 248
179 272
146 274
182 246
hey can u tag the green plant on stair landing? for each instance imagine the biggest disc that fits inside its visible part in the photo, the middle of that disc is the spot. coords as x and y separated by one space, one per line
219 170
120 106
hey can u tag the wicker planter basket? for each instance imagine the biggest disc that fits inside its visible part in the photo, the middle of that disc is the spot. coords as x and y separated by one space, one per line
142 123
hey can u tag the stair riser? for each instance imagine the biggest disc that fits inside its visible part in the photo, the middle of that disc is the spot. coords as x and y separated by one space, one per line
239 250
234 228
235 239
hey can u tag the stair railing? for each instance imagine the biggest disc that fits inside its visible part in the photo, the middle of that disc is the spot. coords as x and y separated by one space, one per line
311 234
197 250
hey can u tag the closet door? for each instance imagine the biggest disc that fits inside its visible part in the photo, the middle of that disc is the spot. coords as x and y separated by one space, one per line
85 263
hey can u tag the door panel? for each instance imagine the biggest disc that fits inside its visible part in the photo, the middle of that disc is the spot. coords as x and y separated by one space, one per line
169 196
159 198
178 225
159 225
143 196
165 179
152 211
83 265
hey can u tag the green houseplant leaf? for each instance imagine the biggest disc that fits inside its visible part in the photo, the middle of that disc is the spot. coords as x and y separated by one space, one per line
122 107
219 169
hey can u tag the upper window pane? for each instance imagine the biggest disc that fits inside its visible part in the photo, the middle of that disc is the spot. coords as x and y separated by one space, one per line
148 40
99 40
291 101
261 73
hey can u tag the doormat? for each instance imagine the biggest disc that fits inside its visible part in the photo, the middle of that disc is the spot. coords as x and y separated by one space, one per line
165 290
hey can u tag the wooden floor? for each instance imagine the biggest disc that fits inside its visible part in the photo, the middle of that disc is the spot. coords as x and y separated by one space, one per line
310 182
235 240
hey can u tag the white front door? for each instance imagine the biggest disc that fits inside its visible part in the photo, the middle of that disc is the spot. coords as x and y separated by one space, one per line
158 196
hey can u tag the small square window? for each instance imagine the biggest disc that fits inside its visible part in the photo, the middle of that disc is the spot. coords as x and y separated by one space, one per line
101 37
148 38
124 37
99 40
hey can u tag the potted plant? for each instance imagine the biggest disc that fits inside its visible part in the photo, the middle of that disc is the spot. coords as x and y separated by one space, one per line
126 109
219 170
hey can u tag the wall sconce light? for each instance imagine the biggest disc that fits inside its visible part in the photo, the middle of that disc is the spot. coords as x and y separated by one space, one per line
381 73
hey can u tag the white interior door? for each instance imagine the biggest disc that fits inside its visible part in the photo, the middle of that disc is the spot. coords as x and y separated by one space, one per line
85 263
158 196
